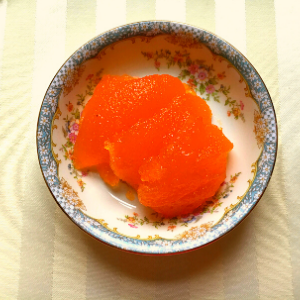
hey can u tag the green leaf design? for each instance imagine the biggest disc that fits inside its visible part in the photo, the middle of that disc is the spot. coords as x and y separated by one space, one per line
173 221
64 132
156 224
80 99
202 89
213 81
89 90
69 144
77 114
216 97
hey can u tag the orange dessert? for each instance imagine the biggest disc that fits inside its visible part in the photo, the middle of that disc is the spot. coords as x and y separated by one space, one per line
116 105
155 134
193 164
130 149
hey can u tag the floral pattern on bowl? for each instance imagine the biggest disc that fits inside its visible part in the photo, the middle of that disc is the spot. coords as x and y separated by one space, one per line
240 103
201 78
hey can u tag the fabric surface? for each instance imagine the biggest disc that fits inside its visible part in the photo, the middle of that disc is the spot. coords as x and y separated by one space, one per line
43 255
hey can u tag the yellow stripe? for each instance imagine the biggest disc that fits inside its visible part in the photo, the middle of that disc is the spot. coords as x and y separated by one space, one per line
240 262
206 272
137 10
238 271
70 249
110 14
143 281
261 43
81 24
230 22
172 10
103 271
201 14
3 5
17 50
270 216
288 47
172 274
70 259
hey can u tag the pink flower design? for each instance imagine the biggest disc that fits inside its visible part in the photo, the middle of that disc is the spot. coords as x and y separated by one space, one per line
193 68
210 89
132 226
75 127
157 64
72 137
84 173
202 75
242 105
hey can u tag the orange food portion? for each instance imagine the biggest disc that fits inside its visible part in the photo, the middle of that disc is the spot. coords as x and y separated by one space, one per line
156 134
194 162
107 174
130 195
116 105
130 149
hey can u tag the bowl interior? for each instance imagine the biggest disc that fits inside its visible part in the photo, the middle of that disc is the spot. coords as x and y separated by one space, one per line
240 105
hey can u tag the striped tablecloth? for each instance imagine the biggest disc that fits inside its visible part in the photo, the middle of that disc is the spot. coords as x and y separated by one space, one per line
44 255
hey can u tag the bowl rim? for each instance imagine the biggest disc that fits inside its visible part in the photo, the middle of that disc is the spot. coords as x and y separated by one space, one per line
262 190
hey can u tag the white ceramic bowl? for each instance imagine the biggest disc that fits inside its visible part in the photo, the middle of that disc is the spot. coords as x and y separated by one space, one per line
240 103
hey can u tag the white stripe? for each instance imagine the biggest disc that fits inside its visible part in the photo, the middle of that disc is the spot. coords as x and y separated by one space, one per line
110 14
288 47
231 22
3 5
173 10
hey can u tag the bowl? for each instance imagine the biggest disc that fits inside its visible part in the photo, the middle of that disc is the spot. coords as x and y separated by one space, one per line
220 74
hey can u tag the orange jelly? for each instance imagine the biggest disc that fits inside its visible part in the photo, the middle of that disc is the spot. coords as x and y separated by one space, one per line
117 104
155 134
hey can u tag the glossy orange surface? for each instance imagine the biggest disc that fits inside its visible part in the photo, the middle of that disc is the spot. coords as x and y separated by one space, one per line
155 134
